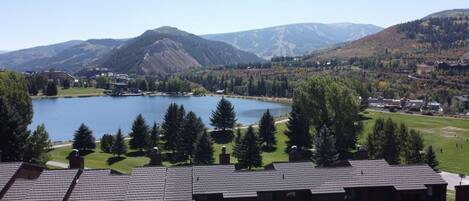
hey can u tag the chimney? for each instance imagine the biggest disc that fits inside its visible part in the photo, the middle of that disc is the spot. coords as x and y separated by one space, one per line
155 157
294 155
75 160
462 192
224 157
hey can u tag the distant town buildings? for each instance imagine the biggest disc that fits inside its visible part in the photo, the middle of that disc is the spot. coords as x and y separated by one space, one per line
405 104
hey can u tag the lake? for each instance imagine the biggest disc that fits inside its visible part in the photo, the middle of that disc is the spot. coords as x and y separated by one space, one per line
62 116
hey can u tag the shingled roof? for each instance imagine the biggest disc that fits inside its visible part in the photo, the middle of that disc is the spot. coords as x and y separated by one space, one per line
8 170
182 183
100 185
52 185
147 183
303 176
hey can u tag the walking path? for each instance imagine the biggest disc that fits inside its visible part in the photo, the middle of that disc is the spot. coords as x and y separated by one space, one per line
453 179
58 164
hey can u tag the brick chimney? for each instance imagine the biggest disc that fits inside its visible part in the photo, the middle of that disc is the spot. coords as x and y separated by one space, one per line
76 161
155 157
462 192
294 155
224 157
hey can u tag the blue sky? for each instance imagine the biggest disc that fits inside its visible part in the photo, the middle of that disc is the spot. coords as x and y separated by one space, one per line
28 23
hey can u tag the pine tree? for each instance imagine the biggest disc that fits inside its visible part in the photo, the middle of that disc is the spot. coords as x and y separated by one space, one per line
325 154
193 127
84 139
171 127
139 134
414 145
154 138
390 143
249 152
38 146
298 131
224 118
238 142
203 150
119 147
430 159
152 85
403 136
375 139
51 89
267 129
143 85
106 142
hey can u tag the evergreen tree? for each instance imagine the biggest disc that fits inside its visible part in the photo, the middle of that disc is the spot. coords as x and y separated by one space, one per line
154 139
238 142
203 150
66 83
390 143
430 159
139 134
84 139
403 137
119 147
224 118
171 127
374 141
298 131
106 142
51 89
15 115
414 145
193 127
38 146
249 152
143 85
325 154
152 85
267 130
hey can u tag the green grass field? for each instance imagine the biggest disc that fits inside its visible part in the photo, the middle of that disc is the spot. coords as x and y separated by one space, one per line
76 91
442 133
99 159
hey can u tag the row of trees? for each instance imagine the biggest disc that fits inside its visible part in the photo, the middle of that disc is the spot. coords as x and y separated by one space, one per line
396 144
17 143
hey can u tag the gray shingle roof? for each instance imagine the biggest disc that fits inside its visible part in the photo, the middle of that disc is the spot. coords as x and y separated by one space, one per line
19 189
147 183
303 176
52 185
8 170
178 184
100 185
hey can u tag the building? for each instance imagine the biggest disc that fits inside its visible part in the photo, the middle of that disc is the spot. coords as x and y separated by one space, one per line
358 180
434 107
463 101
414 105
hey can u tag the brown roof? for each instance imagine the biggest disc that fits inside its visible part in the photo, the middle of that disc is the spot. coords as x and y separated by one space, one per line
178 184
147 183
19 189
8 170
100 185
52 185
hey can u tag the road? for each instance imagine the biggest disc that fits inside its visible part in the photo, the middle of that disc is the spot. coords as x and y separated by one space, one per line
453 179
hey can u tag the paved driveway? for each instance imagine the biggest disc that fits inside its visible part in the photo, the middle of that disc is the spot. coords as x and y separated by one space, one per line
453 179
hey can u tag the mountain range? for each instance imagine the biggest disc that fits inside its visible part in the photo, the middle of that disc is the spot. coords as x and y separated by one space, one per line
440 36
294 39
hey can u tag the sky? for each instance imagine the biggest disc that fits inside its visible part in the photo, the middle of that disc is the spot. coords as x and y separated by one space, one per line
29 23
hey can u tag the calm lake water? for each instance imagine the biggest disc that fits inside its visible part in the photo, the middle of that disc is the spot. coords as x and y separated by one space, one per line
63 116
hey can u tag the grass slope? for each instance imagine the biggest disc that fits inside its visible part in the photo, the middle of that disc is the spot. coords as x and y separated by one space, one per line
99 159
442 133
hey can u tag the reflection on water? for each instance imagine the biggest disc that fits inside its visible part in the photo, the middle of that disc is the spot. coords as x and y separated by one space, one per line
106 114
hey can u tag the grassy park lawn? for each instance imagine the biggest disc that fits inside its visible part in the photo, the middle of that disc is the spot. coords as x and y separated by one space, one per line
75 91
99 159
442 133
